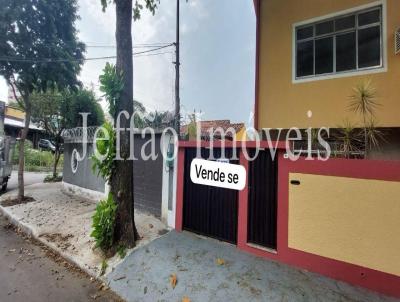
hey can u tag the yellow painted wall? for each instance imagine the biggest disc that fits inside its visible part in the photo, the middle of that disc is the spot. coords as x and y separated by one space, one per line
16 113
283 104
352 220
241 135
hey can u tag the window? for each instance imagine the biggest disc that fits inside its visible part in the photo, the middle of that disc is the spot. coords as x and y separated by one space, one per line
341 44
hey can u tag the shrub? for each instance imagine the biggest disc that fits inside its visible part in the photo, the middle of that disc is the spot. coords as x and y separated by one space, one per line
51 178
103 223
36 160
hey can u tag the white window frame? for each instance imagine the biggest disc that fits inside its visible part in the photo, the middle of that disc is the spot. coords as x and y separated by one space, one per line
369 70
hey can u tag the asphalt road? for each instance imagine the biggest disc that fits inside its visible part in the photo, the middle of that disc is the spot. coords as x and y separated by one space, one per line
30 178
27 274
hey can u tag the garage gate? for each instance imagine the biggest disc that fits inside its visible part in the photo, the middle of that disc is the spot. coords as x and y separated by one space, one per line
207 210
147 177
213 211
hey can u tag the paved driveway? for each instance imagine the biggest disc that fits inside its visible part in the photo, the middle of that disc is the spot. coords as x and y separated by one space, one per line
144 275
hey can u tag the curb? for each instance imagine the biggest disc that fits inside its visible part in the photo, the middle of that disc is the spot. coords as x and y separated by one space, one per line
29 232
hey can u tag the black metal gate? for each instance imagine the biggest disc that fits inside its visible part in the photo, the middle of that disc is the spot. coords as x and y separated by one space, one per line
147 176
207 210
262 204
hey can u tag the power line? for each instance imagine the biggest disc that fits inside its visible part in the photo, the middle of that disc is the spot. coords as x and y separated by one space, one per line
51 60
136 46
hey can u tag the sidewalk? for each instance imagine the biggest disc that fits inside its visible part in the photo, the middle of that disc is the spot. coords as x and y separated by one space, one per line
63 222
210 270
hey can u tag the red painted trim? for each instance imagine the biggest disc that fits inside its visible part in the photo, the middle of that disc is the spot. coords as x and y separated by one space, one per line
231 144
243 204
355 168
179 190
257 5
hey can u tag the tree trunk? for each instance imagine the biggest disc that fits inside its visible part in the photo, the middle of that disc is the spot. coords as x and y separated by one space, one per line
24 134
122 175
56 160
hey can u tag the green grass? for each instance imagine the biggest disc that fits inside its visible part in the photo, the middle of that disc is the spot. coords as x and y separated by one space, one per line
37 160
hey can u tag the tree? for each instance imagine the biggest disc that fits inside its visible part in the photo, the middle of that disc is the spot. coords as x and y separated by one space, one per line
56 111
39 50
82 100
122 175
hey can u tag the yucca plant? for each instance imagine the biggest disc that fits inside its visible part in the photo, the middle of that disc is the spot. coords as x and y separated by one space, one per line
374 135
363 102
349 138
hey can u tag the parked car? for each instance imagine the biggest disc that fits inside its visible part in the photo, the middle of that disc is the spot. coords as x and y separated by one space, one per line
47 145
7 144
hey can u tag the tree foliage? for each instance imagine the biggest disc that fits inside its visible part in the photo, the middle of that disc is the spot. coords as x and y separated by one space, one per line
39 44
107 149
81 101
111 83
56 111
151 5
40 50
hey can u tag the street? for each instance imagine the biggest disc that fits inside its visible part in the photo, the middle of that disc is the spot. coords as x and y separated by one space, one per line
27 273
30 178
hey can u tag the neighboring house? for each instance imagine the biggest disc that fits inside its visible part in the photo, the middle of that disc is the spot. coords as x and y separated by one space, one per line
232 131
14 122
312 53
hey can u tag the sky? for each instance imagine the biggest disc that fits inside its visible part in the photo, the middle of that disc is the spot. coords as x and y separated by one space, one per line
217 55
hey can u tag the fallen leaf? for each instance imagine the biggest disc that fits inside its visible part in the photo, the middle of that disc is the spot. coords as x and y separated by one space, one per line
173 280
185 299
220 261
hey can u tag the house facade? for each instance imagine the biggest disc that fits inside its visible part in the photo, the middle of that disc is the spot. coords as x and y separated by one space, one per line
340 217
312 54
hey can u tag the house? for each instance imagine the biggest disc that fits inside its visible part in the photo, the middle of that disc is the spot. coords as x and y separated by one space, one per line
14 121
338 217
232 131
311 54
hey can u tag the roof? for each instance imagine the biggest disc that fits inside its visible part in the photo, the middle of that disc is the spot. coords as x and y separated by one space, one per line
19 124
214 124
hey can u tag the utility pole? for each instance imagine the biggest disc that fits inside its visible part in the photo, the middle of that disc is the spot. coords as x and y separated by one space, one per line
177 67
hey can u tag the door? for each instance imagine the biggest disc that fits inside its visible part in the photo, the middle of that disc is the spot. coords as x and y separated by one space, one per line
147 176
207 210
262 200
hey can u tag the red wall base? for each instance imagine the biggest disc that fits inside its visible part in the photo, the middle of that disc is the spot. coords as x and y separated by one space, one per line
359 276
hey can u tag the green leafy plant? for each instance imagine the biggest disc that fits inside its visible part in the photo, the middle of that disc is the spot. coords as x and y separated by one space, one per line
104 222
106 148
121 251
103 267
37 160
112 84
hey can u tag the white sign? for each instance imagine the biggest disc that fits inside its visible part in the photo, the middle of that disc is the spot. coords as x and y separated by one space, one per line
216 174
